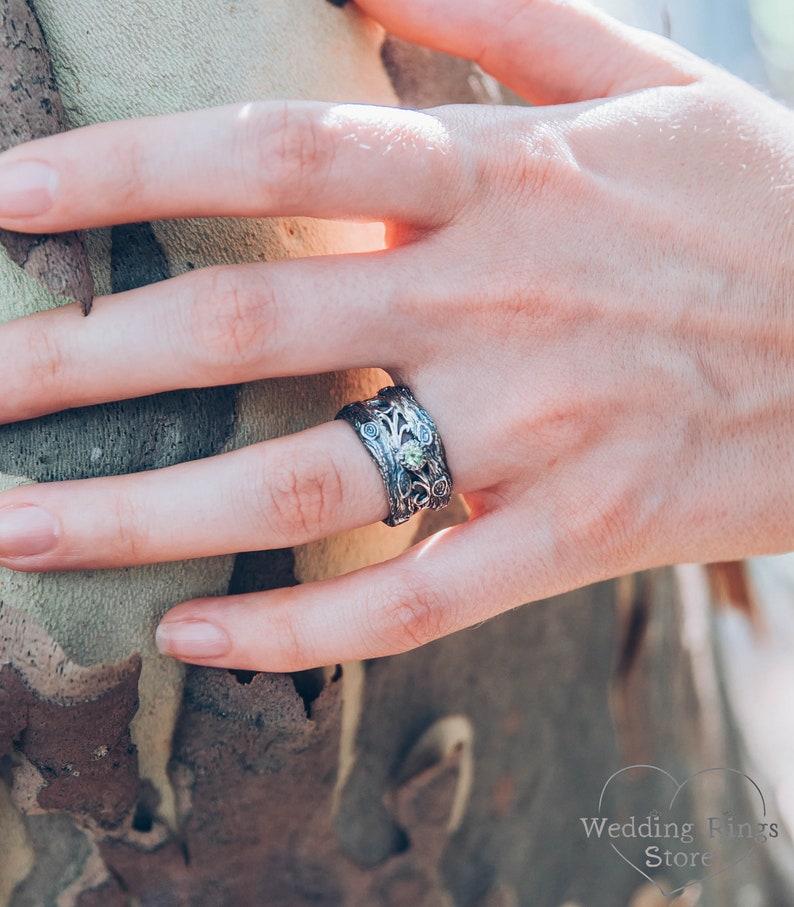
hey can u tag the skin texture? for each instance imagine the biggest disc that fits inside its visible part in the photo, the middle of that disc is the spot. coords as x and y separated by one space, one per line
593 298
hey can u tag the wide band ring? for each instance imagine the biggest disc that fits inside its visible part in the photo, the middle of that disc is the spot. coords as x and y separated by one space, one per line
403 441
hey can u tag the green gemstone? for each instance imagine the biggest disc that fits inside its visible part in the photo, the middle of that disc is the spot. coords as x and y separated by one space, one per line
411 455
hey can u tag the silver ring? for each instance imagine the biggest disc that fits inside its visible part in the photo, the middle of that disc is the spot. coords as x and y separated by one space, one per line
403 441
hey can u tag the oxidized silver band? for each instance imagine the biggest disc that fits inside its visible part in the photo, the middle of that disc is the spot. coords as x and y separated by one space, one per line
403 441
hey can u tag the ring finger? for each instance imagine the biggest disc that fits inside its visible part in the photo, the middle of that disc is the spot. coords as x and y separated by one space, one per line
275 494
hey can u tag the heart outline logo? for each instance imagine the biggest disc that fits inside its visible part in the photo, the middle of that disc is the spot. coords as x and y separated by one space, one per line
679 787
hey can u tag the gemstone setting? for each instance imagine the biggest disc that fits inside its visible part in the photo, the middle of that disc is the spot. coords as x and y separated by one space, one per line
411 455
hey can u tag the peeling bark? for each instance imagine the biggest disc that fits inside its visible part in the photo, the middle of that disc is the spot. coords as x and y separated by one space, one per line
32 109
70 726
276 844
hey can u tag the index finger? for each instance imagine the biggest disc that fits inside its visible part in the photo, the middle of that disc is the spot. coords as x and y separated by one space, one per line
252 160
548 51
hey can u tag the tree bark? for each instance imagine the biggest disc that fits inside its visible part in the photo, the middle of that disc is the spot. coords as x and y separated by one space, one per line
453 775
32 109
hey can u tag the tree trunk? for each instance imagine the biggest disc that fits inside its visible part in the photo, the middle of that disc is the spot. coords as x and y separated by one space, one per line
453 775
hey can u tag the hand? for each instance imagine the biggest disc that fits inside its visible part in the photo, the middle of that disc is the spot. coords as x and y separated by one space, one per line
593 300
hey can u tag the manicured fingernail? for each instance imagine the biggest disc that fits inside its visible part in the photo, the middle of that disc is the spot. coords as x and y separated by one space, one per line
26 530
191 639
27 188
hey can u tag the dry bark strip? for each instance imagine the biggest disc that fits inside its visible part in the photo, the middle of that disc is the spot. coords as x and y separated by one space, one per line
31 108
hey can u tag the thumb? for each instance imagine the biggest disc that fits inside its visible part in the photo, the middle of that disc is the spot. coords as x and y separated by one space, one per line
547 51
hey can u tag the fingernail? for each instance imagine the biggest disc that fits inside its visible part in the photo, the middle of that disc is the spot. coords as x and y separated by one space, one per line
26 530
27 188
191 639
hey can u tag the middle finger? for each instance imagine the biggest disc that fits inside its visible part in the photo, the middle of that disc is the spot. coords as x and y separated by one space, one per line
217 326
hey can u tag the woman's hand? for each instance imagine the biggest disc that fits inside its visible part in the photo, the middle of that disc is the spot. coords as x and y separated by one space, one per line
594 301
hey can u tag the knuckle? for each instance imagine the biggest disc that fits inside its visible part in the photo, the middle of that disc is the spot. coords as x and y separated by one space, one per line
524 163
230 320
46 360
562 423
301 497
541 160
126 162
132 535
292 650
282 150
606 529
410 614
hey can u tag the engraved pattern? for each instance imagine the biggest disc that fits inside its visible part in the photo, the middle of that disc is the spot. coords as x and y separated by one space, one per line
403 441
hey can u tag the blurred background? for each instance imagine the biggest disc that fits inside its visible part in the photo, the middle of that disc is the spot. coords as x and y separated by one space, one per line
753 38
